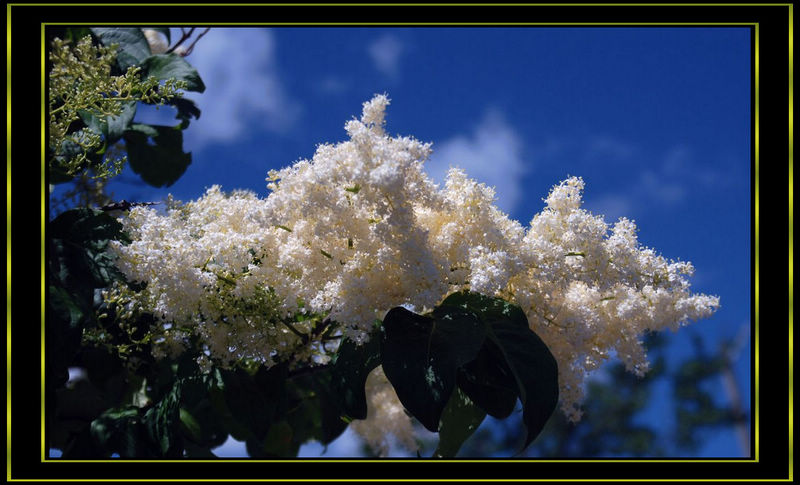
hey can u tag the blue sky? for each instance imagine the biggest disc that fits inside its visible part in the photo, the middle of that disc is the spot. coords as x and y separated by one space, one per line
656 121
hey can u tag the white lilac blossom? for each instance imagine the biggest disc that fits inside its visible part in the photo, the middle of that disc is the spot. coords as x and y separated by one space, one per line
156 40
360 229
385 416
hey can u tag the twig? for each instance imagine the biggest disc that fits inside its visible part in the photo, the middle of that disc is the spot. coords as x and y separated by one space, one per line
184 35
124 205
191 47
303 337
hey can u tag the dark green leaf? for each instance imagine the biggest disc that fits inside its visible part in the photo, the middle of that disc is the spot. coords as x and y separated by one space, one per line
78 264
78 258
488 308
66 152
350 368
63 339
163 423
535 371
162 162
133 46
461 417
166 66
489 382
190 426
65 308
74 34
254 401
278 442
211 431
421 356
121 431
111 127
86 225
195 451
116 125
332 425
186 110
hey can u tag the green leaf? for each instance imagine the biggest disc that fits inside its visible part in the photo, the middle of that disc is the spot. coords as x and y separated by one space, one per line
535 372
421 356
133 46
120 431
488 308
186 110
489 382
332 425
167 66
190 426
460 419
111 127
86 225
74 34
211 431
254 401
195 451
78 264
350 367
64 328
116 125
278 442
79 239
514 361
233 427
162 162
163 423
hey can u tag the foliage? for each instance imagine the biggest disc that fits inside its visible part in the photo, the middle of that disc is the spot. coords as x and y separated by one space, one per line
616 422
96 78
172 407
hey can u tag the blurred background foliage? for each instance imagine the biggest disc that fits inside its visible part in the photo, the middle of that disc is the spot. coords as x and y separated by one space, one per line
619 420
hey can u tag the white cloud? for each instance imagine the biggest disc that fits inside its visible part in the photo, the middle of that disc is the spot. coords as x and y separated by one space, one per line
608 148
667 182
385 54
332 85
492 155
611 206
243 87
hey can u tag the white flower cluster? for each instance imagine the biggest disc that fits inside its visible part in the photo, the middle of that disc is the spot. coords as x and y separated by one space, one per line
385 417
360 229
156 40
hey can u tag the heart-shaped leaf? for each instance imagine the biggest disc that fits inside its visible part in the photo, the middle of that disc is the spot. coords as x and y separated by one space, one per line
167 66
351 366
133 46
535 371
460 419
489 382
421 356
162 162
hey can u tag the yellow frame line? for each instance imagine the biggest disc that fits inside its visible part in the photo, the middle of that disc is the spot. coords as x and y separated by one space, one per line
791 348
410 5
8 242
756 218
44 459
428 24
404 480
791 242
